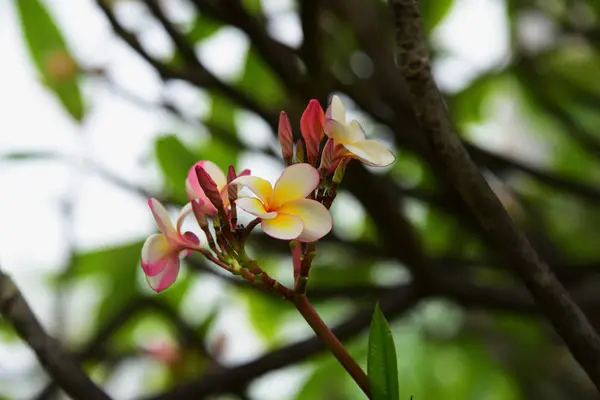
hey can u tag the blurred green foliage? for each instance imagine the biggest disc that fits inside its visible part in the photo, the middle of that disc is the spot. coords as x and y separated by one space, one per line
552 94
51 56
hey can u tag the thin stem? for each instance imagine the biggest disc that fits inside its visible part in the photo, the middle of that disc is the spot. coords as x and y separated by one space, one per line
296 250
251 225
305 268
337 348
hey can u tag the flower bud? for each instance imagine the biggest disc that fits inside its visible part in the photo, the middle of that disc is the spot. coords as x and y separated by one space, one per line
311 126
231 189
327 156
210 189
286 139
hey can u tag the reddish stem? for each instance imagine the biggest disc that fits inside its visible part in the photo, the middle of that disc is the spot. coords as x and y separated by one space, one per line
326 335
296 250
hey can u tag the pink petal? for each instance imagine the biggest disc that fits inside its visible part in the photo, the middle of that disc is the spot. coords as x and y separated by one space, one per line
190 240
296 182
283 226
254 207
258 186
155 253
166 277
161 216
315 217
371 152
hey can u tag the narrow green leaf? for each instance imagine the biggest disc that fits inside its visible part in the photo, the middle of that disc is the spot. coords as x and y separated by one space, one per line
51 56
175 160
382 364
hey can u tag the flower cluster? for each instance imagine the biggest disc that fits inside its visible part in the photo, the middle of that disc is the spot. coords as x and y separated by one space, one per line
295 209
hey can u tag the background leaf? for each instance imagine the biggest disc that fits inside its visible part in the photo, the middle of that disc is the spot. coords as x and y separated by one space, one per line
51 56
175 160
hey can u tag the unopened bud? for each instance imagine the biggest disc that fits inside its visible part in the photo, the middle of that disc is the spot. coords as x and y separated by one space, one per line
327 156
299 151
286 140
210 189
311 126
232 190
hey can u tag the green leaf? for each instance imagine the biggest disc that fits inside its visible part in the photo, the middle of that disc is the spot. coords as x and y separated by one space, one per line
254 7
260 82
51 56
222 114
175 160
434 11
202 28
116 269
265 312
382 365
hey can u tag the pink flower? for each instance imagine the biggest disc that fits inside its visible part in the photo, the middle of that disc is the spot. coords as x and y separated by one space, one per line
351 139
284 210
194 190
311 126
161 251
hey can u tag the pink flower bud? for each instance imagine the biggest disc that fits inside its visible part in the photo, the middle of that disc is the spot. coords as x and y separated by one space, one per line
286 139
232 190
210 189
311 126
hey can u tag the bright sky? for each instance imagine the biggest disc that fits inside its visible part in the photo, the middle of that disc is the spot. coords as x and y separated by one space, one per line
118 136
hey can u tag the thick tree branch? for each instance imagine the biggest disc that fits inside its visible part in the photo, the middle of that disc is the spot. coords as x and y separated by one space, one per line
552 298
61 366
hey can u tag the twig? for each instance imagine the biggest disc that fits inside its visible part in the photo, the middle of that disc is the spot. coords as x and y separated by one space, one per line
61 366
550 295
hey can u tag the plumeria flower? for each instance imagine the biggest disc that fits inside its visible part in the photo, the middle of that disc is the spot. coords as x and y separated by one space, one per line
284 210
194 190
350 138
161 251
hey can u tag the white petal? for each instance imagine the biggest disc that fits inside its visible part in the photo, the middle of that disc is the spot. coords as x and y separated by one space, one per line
315 217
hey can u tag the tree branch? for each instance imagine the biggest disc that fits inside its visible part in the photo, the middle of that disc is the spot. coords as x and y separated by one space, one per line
552 298
61 366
